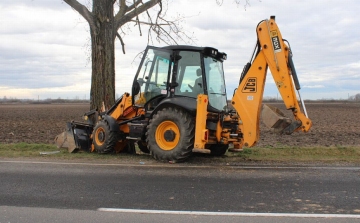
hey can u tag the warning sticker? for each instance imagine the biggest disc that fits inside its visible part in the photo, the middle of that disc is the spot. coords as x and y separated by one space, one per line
275 41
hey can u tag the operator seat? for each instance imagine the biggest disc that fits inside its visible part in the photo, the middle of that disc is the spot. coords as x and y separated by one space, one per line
198 85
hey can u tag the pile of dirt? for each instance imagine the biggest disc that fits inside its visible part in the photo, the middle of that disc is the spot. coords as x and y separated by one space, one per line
334 124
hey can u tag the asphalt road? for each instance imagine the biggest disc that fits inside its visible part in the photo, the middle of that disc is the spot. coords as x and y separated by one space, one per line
48 189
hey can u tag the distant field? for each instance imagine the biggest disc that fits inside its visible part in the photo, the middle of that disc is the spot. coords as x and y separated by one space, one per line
334 124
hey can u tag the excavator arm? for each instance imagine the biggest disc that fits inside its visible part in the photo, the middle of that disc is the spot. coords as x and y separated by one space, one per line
274 53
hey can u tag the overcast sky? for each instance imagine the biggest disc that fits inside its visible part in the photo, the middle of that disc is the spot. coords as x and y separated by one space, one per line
44 45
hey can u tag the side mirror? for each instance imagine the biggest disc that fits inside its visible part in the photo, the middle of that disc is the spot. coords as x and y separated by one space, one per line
135 88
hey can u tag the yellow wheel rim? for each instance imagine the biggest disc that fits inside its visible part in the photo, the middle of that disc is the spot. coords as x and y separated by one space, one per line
167 135
100 136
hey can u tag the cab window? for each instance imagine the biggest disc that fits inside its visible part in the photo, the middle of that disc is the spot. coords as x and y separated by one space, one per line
189 74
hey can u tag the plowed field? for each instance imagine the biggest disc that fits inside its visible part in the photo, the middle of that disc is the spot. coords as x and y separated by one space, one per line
334 124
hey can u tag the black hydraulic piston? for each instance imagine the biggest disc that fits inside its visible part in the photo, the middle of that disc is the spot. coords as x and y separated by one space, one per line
244 72
293 73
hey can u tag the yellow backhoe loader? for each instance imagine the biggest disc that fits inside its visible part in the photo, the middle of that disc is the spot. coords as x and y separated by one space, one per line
178 103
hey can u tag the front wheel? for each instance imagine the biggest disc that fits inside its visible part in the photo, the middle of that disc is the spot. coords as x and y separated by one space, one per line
104 140
170 135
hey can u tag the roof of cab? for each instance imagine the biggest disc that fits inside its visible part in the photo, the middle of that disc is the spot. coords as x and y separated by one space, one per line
185 47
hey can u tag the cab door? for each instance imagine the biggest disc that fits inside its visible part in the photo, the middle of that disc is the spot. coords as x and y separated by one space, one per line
152 78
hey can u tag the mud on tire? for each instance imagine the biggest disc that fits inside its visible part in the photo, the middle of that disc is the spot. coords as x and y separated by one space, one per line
170 135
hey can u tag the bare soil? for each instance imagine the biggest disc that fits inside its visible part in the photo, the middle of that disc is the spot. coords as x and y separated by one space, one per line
334 124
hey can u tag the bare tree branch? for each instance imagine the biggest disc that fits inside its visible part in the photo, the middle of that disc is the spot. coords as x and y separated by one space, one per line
150 23
161 29
82 10
122 11
137 19
121 41
246 4
121 20
169 32
238 2
159 13
132 7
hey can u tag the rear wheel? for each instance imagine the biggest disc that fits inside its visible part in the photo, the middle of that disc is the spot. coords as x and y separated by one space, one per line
170 135
103 139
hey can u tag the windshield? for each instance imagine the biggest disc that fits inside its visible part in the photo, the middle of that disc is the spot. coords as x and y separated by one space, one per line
215 83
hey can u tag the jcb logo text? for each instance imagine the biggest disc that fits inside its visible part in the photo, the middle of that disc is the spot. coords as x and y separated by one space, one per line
275 41
250 85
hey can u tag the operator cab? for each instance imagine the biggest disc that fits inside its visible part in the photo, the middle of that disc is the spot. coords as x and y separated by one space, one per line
180 72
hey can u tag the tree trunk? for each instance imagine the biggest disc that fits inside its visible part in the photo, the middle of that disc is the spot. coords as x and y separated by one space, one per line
103 55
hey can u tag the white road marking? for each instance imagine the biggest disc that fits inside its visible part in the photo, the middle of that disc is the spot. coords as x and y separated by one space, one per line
235 214
182 165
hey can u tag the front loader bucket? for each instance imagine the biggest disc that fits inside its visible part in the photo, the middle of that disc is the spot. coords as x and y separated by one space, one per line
66 139
75 137
273 118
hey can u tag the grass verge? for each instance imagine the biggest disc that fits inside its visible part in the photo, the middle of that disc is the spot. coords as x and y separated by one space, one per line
26 150
301 154
279 154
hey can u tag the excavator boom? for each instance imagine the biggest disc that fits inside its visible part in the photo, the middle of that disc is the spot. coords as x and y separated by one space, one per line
271 52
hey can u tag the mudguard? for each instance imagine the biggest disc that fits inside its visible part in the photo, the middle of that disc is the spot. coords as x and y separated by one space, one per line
188 104
114 126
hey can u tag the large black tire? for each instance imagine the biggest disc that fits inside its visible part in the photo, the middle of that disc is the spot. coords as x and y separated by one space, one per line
218 149
143 147
170 135
104 140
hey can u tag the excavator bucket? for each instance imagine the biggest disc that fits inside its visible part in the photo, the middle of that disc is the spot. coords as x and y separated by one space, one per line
273 118
77 136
